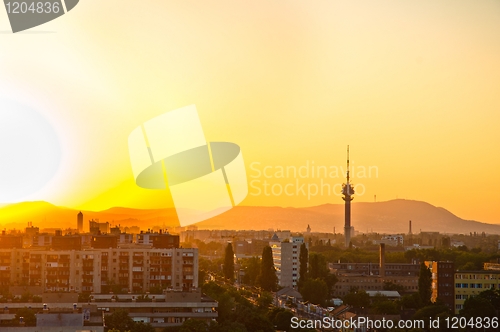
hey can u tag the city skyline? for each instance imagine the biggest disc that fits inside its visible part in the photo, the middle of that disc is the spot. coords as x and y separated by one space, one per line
410 87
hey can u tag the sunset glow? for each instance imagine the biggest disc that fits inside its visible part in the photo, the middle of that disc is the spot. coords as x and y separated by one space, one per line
412 87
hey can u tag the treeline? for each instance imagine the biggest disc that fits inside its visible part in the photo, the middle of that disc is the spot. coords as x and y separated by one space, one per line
463 257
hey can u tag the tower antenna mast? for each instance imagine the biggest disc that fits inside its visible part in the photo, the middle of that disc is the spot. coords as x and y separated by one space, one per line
348 164
347 192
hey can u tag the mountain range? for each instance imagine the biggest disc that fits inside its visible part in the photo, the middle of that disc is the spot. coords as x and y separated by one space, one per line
382 217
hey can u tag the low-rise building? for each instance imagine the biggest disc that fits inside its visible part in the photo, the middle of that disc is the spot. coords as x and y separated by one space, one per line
471 283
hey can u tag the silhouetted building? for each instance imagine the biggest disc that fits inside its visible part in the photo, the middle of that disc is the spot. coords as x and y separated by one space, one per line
104 241
158 240
249 248
115 230
10 241
67 242
79 222
96 227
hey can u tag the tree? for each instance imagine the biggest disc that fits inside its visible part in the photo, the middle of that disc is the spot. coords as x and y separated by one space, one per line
267 278
120 320
303 261
194 325
28 315
143 327
229 263
281 318
315 291
431 311
411 301
265 300
492 295
425 284
318 270
391 286
383 306
357 298
251 266
477 306
317 266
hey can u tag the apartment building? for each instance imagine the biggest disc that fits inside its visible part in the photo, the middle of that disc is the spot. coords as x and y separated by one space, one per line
249 248
170 308
286 259
133 269
471 283
442 281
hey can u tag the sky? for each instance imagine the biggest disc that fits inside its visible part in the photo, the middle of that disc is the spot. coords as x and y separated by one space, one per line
411 87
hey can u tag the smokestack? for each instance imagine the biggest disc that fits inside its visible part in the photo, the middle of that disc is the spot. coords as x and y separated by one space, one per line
410 228
382 260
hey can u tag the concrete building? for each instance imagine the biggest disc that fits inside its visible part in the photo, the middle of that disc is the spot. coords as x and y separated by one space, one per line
11 240
160 239
372 283
393 240
471 283
160 310
374 277
66 242
249 248
373 269
104 241
442 281
286 259
135 269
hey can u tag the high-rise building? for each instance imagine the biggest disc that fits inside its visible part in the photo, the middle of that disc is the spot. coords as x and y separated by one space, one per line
286 255
347 191
79 222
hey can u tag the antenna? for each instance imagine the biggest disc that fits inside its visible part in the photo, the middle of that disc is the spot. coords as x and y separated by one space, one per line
348 164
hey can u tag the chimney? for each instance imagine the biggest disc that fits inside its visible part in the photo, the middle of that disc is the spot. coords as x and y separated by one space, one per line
382 260
410 228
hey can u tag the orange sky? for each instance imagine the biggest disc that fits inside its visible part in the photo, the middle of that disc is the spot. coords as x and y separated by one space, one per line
411 87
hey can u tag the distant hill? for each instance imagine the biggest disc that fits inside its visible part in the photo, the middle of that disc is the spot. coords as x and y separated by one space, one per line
383 217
